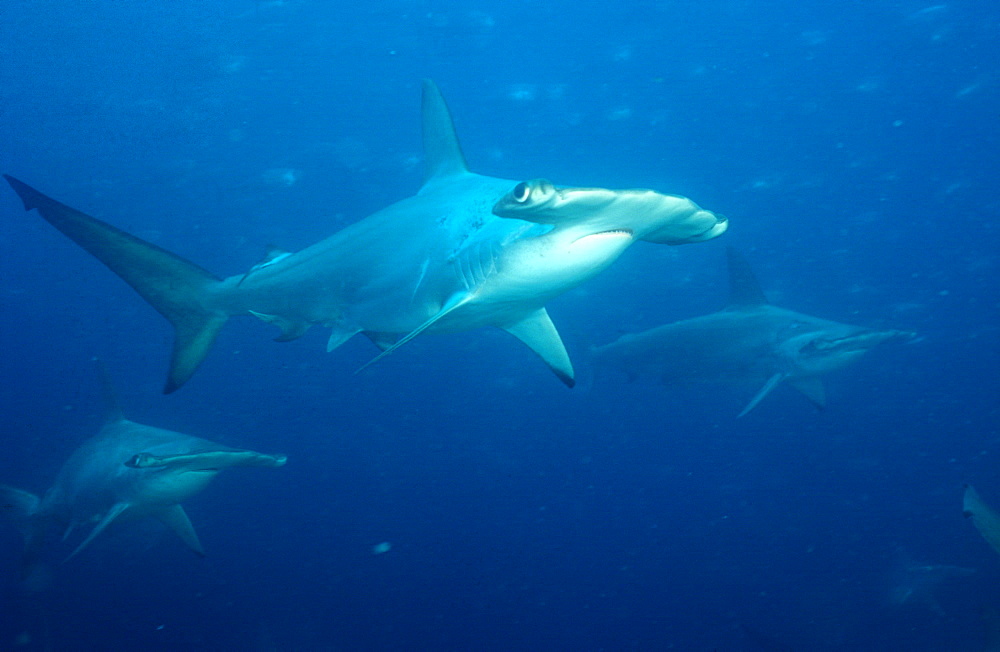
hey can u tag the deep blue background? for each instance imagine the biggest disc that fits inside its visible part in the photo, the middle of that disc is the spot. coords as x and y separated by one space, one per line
854 146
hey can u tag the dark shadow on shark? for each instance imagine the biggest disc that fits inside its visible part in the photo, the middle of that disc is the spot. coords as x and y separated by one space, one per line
128 470
751 341
466 251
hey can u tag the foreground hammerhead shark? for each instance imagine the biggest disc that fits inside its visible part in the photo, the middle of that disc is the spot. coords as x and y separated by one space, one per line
749 341
128 470
466 251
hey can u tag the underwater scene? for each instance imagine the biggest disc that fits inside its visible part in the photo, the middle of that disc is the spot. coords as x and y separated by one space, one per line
657 325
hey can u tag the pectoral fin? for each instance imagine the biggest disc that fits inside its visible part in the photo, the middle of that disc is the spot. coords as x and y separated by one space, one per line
456 301
812 389
540 334
177 520
112 514
771 383
206 461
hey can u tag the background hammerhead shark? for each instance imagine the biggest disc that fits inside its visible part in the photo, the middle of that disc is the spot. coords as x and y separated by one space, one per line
466 251
750 341
128 470
985 518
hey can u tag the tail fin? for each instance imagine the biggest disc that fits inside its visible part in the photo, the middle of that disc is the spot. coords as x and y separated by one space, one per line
178 289
21 509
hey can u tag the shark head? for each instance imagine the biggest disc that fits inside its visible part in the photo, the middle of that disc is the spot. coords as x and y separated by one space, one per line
590 228
597 213
814 349
168 479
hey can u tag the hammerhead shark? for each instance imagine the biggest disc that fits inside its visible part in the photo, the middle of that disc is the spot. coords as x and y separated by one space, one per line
128 470
985 518
750 341
916 585
466 251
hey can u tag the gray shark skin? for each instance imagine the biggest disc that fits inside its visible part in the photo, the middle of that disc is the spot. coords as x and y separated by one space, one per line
128 470
750 341
466 251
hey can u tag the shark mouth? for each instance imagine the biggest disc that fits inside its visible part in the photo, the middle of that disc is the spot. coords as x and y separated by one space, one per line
611 233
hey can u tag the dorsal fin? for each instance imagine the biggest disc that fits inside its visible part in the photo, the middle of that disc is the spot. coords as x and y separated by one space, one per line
744 290
442 154
112 409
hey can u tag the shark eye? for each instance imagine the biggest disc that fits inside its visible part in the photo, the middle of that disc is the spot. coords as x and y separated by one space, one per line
521 192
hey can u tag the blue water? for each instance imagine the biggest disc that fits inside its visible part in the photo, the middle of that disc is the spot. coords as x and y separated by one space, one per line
854 147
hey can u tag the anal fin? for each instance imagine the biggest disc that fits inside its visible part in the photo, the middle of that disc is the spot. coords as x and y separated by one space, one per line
176 519
290 328
540 335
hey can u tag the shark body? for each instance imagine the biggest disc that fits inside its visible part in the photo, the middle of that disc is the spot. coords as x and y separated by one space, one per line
751 341
466 251
128 470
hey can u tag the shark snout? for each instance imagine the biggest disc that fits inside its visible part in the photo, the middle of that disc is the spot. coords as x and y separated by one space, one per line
721 223
870 339
688 224
856 342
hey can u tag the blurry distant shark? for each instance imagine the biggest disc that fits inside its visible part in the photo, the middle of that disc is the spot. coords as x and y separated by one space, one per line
750 341
987 521
916 585
128 470
984 517
466 251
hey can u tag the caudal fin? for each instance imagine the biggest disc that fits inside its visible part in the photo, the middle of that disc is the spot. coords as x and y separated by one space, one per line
177 288
21 509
